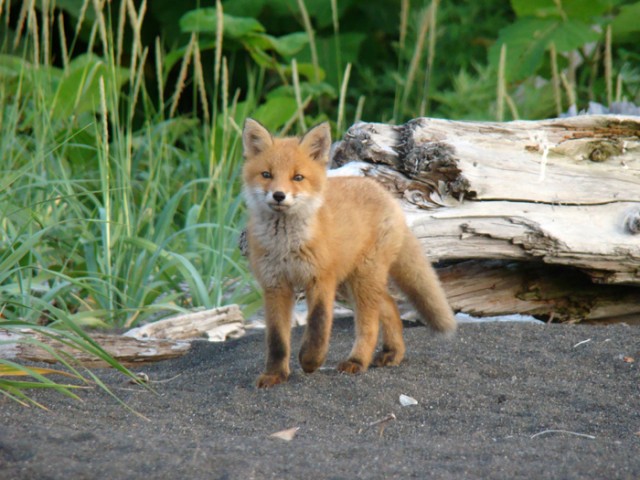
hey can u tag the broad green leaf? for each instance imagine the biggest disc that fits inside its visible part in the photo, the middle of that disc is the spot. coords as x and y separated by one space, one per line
540 8
572 34
275 112
287 45
261 56
79 91
319 10
251 8
306 88
626 22
569 9
307 71
334 52
74 7
11 66
204 20
527 40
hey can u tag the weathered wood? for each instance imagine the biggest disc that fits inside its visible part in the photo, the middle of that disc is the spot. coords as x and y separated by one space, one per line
563 192
153 342
127 350
216 324
494 288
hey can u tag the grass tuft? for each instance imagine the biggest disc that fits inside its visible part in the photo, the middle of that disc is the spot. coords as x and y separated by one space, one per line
111 213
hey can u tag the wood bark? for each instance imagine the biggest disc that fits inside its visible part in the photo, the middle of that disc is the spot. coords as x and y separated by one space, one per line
152 342
216 324
561 195
28 345
554 293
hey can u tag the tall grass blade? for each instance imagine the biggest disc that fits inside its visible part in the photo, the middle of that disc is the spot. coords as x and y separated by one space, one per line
418 53
608 66
298 95
502 84
312 39
555 78
431 54
343 97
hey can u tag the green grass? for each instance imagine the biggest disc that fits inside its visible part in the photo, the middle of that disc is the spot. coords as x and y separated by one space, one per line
120 157
113 211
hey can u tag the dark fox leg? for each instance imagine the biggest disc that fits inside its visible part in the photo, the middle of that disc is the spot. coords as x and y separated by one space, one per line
278 308
392 342
366 290
315 342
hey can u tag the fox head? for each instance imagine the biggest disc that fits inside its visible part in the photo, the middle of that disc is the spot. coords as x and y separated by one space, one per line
285 175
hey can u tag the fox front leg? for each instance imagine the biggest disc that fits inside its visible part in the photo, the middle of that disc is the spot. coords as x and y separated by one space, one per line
315 343
278 307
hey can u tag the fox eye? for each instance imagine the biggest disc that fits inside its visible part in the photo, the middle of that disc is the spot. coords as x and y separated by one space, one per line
266 175
298 178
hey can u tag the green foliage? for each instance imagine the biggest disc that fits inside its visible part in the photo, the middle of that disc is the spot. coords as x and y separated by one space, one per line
576 9
73 91
120 153
130 210
571 34
529 39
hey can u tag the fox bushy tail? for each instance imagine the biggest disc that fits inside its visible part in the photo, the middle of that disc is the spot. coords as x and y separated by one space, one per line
415 276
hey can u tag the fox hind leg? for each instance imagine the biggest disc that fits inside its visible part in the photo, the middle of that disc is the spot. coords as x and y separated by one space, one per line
366 291
393 347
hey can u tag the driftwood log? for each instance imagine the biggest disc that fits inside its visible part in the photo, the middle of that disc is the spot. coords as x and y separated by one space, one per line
152 342
533 217
36 347
215 325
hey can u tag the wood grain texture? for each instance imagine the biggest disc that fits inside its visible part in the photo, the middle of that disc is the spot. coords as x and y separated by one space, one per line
551 193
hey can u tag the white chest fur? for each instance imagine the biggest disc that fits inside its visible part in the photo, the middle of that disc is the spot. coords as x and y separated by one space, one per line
285 258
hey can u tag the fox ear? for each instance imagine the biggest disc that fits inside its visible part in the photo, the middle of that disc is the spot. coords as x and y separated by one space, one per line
317 141
255 138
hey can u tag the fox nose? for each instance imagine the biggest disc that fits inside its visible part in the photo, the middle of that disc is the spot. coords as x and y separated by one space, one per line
279 196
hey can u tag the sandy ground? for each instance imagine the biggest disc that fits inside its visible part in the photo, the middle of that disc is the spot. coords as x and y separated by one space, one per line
499 400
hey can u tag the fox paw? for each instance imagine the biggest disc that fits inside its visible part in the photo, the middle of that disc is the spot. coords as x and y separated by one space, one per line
387 358
311 358
267 380
351 366
310 363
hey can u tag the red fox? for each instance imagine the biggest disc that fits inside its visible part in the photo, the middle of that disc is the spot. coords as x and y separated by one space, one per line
312 233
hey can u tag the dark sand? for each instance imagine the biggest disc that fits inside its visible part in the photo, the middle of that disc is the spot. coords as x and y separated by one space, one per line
499 400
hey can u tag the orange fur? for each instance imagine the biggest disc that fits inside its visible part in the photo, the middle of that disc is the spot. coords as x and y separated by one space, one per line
312 233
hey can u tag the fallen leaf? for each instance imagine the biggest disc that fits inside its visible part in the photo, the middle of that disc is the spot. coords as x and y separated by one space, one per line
628 359
286 435
407 401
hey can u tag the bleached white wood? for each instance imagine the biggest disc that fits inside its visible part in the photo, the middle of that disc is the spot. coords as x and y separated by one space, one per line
532 217
216 324
562 191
